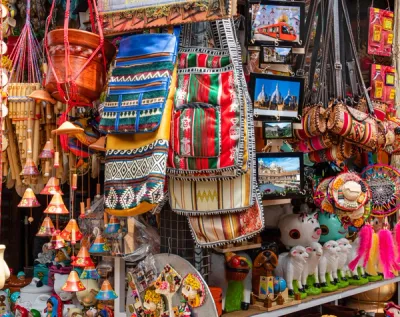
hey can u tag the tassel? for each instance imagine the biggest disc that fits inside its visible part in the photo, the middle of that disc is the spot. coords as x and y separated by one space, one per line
386 253
365 236
397 237
369 244
373 259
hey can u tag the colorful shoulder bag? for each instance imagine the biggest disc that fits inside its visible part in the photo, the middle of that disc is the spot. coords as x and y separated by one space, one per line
135 167
139 83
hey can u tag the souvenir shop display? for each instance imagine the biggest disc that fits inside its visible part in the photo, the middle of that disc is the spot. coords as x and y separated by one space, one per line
197 158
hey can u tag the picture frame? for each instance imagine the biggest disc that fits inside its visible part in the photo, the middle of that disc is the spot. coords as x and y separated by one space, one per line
275 23
280 175
276 96
275 55
277 130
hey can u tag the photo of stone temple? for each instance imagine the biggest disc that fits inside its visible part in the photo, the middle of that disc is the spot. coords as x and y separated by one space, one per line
277 100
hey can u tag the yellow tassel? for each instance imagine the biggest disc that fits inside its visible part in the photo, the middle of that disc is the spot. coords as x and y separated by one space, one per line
373 257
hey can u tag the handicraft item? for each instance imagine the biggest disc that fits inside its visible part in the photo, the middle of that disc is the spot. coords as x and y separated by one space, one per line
139 84
193 290
121 16
380 35
77 60
135 168
167 284
384 182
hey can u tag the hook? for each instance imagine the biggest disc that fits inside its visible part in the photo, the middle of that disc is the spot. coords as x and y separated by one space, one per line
169 245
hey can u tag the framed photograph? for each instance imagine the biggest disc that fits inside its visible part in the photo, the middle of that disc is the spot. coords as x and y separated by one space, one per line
275 55
277 130
277 96
280 175
276 23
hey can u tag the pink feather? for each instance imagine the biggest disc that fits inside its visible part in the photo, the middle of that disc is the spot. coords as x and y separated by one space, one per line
386 252
364 248
397 236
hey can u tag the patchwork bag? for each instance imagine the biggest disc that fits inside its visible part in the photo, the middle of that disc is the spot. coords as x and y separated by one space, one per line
222 202
214 230
206 102
135 167
139 84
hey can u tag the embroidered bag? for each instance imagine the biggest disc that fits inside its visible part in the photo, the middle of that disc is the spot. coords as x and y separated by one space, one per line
206 95
135 167
357 127
214 230
139 84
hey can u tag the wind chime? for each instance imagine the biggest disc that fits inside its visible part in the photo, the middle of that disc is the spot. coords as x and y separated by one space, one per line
25 78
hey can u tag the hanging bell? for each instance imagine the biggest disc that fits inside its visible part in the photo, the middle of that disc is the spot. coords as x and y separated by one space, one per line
72 232
56 206
52 187
106 292
83 258
67 128
113 225
47 152
46 229
73 283
90 273
28 199
30 168
56 241
99 245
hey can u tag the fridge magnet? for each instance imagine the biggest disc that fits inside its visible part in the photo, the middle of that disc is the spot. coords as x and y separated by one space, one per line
193 290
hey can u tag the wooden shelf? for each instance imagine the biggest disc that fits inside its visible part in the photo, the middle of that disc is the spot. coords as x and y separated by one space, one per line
313 301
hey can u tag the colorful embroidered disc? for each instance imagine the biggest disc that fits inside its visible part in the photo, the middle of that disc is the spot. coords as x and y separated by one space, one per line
384 181
193 290
349 192
321 195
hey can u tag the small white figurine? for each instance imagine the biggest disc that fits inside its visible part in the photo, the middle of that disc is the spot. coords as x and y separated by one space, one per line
311 268
291 265
329 263
345 248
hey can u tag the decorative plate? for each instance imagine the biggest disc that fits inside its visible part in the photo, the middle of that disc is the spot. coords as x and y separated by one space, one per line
384 182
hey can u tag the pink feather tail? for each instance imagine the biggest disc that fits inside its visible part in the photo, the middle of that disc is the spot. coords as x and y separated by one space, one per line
397 237
364 248
386 252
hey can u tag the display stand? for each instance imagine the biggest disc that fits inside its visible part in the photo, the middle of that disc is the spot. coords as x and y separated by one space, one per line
313 301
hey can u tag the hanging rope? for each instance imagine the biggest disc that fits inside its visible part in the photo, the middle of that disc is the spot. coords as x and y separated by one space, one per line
26 55
70 93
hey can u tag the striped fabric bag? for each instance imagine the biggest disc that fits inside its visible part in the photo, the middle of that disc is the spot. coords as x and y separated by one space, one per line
210 161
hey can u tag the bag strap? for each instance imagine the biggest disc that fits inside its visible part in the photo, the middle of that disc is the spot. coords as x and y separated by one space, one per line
354 51
325 50
314 55
312 12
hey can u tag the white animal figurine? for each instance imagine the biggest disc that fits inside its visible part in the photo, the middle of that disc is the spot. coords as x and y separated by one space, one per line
352 255
291 265
329 263
345 248
315 252
299 229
